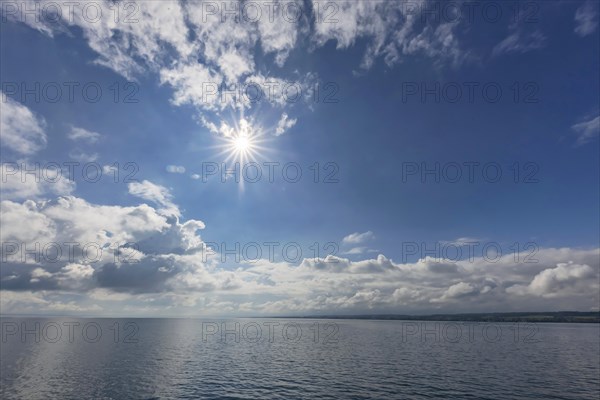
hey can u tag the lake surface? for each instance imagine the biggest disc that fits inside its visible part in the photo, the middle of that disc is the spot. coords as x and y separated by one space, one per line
73 358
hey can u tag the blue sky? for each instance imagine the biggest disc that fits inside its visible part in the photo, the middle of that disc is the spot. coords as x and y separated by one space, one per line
379 68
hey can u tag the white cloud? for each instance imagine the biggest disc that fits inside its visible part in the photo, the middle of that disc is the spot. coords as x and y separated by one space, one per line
284 124
278 36
175 169
458 290
390 29
563 280
171 274
157 194
587 130
586 18
21 181
21 130
199 53
83 134
520 41
357 238
356 250
194 84
78 154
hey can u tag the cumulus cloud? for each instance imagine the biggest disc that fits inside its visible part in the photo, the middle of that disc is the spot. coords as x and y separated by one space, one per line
22 131
157 194
169 269
120 248
563 280
26 180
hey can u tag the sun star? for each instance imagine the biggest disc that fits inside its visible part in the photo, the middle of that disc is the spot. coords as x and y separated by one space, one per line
242 143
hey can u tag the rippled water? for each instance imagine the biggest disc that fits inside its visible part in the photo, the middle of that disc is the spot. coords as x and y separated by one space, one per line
343 359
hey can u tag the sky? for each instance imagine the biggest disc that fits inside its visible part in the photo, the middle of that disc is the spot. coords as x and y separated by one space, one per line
164 158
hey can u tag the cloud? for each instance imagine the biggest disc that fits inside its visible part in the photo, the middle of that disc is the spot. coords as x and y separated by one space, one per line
83 134
22 181
284 124
167 271
157 194
357 238
520 41
194 84
586 18
108 230
356 250
22 131
587 130
461 241
208 58
458 290
78 154
563 280
175 169
390 29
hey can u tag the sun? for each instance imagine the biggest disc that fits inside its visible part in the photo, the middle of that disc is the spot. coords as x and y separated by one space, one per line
242 144
243 141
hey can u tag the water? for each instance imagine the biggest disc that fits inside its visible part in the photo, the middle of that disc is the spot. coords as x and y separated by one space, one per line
327 359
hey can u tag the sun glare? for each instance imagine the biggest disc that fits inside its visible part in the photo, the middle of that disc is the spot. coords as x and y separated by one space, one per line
242 143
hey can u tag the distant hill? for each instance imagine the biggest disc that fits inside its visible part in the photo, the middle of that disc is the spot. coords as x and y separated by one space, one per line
560 316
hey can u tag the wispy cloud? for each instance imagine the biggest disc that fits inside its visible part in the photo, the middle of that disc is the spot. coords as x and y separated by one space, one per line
357 238
77 133
587 130
586 18
520 42
284 124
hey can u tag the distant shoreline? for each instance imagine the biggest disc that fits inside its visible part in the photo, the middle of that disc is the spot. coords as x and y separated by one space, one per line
558 316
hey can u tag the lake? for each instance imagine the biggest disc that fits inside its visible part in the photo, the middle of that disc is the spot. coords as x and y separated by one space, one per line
296 358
